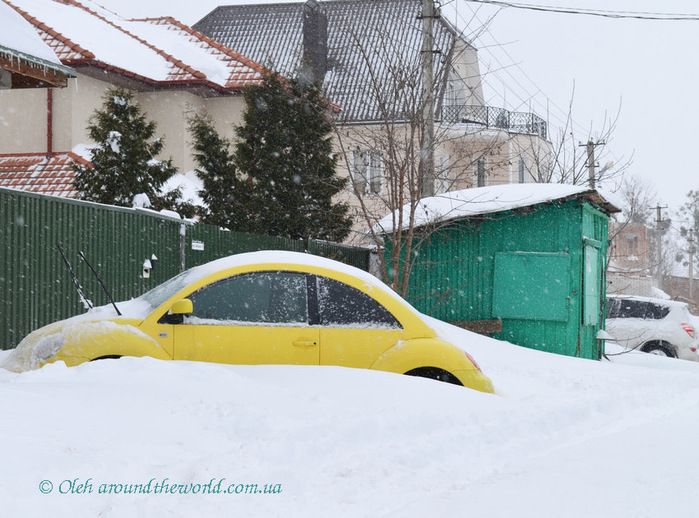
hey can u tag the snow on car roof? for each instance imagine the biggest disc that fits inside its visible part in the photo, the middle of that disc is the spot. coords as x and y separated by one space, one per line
291 258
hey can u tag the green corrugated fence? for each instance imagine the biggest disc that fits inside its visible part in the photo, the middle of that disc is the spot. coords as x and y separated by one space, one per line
36 288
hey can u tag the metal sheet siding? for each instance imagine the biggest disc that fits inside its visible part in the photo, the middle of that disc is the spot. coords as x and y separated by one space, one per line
35 285
454 279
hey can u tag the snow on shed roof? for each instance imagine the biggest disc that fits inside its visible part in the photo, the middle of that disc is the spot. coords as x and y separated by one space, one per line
488 200
156 51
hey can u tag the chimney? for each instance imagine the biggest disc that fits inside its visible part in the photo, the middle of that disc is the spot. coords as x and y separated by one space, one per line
315 42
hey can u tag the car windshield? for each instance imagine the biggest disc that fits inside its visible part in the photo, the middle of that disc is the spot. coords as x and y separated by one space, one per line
164 291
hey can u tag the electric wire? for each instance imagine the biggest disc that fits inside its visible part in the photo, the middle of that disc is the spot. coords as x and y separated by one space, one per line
604 13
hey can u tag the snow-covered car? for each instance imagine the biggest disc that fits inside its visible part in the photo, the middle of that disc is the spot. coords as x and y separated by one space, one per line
657 326
261 308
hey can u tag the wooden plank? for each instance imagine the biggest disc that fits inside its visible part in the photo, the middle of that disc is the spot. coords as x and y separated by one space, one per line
483 327
32 71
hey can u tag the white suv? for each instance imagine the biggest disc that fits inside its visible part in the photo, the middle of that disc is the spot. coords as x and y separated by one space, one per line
657 326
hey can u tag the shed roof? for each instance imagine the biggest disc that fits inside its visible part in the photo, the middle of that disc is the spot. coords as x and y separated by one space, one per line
364 37
160 51
479 201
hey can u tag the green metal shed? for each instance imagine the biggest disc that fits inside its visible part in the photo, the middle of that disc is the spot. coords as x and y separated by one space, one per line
525 263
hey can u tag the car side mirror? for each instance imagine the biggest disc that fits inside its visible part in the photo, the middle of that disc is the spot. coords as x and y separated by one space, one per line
182 307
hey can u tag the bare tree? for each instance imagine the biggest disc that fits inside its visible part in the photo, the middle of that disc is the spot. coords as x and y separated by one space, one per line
383 156
568 161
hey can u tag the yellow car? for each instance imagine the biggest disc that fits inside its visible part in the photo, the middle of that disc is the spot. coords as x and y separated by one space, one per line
267 307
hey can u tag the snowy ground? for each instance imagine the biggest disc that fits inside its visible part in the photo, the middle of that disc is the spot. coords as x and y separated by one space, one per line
563 437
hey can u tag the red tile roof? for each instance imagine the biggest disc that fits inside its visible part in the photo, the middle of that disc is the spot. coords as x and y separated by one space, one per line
74 47
37 172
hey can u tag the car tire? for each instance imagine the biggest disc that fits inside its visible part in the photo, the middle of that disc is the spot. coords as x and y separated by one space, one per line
435 374
660 349
109 357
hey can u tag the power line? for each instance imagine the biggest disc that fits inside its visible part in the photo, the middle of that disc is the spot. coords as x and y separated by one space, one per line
561 117
635 15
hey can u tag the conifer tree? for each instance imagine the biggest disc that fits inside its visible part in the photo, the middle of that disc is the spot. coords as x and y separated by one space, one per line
123 160
285 148
225 195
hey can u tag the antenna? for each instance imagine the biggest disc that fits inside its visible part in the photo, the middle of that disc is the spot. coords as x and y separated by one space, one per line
99 279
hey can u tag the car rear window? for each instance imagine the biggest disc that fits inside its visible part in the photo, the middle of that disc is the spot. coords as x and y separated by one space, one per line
341 305
656 311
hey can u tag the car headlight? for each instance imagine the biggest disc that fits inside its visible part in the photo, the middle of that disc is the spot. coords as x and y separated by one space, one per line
47 347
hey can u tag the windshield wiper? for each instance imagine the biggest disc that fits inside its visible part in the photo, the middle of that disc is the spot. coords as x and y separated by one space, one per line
99 279
76 283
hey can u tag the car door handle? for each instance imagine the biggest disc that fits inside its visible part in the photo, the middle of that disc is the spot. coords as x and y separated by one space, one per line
304 343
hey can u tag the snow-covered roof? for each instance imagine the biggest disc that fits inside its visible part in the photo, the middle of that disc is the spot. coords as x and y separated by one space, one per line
386 33
39 173
23 47
159 51
18 34
488 200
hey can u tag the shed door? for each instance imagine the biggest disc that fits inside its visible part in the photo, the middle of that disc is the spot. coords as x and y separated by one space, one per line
591 315
531 286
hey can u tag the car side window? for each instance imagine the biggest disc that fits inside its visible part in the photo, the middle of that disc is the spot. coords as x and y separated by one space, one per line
252 298
341 305
612 308
632 309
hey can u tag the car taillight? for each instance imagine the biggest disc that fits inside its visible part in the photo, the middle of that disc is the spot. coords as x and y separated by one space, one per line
689 328
475 364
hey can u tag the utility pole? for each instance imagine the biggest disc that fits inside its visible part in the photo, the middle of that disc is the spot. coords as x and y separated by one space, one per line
591 164
691 264
658 245
427 149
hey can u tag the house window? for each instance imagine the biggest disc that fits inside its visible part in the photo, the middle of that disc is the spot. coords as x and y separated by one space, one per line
632 247
366 171
481 172
522 173
441 183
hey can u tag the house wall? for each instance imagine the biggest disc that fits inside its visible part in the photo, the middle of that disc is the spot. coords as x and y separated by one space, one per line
170 109
630 249
465 75
457 148
678 289
501 151
23 119
73 106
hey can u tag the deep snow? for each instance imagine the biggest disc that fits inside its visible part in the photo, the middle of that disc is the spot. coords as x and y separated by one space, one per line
562 437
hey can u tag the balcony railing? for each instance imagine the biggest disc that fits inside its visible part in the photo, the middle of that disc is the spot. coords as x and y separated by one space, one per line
490 117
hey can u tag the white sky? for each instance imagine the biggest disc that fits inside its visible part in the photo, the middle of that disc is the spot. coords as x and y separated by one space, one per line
643 68
532 60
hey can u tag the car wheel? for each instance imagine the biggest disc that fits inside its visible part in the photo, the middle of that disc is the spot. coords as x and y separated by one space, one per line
660 349
435 374
109 357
